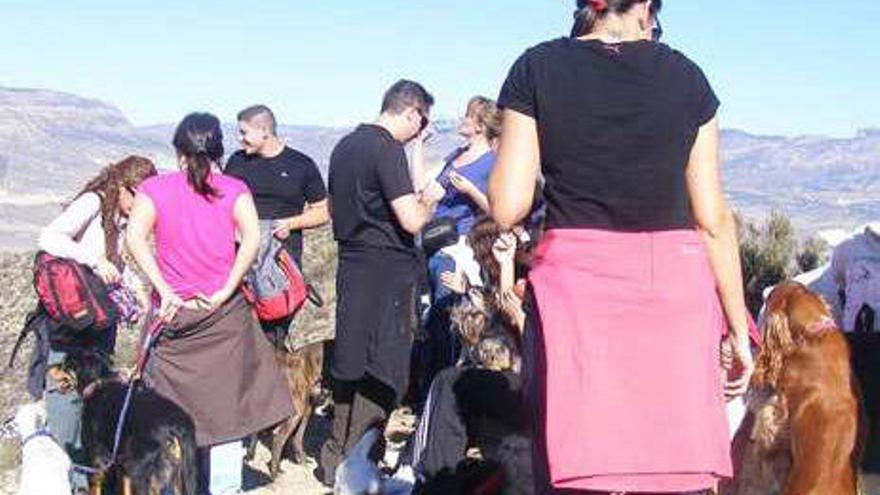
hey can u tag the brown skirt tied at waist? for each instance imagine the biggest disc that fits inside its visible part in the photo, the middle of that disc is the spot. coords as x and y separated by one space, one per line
221 370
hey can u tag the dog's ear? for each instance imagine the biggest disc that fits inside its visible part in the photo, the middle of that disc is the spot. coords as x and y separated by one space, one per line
86 366
776 341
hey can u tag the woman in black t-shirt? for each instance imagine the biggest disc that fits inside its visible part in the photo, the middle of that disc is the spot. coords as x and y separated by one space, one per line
625 364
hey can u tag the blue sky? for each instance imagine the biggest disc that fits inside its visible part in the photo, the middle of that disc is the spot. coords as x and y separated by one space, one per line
783 67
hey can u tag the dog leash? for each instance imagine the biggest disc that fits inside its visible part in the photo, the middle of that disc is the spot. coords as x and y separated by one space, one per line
155 328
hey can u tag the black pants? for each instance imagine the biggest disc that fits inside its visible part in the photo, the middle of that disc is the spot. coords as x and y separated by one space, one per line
375 318
358 406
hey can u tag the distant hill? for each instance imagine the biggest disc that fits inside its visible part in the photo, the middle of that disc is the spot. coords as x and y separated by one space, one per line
820 182
50 142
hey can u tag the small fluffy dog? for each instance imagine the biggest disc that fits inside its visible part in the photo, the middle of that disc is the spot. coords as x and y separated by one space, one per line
45 467
158 446
802 432
488 341
303 370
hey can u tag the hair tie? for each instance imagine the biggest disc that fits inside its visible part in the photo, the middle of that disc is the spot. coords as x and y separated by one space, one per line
201 145
599 6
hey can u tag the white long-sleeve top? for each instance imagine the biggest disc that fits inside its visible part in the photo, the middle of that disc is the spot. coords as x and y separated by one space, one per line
77 232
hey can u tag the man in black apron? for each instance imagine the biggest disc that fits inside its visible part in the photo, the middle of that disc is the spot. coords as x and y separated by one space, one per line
378 203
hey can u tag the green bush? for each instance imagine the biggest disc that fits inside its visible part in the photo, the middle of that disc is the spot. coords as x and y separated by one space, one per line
770 252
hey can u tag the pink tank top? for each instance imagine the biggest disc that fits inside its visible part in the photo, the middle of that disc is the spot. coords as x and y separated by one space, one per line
195 237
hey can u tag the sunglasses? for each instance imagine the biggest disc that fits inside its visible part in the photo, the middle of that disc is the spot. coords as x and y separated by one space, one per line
657 30
424 122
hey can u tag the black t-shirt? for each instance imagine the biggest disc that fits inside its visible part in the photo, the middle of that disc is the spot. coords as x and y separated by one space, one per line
281 186
369 170
616 124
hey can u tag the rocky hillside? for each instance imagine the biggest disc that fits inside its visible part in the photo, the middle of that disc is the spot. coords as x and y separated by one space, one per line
819 182
51 142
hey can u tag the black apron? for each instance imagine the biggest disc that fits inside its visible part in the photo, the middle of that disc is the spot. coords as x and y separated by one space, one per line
375 315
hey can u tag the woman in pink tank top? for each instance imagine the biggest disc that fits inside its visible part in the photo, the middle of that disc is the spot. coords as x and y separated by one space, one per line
212 360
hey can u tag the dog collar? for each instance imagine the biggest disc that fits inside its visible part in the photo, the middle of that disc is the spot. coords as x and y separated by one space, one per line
42 432
821 325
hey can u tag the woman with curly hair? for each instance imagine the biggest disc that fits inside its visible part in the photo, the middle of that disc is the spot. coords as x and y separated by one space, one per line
89 230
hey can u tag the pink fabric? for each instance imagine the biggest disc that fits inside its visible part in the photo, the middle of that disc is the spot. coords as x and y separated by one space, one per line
632 385
195 237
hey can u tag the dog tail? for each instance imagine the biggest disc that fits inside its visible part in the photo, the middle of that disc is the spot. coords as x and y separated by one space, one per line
190 464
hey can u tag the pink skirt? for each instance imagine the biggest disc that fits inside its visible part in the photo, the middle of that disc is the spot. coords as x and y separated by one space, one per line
631 385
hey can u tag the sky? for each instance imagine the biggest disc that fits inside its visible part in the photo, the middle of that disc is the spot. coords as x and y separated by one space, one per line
782 67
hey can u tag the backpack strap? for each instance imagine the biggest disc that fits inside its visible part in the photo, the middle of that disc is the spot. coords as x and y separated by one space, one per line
29 327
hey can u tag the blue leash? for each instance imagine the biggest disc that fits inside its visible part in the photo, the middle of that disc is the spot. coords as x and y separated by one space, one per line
155 327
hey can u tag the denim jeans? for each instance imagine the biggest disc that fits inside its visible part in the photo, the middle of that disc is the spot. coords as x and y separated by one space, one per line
64 409
64 421
224 465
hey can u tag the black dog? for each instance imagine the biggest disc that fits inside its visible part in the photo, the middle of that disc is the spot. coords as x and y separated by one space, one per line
157 448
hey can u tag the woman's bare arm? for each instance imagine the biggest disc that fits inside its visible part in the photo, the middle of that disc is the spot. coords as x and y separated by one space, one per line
248 226
141 221
718 227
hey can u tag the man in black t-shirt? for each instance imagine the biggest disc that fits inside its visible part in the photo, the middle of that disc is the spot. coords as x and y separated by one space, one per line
286 185
378 204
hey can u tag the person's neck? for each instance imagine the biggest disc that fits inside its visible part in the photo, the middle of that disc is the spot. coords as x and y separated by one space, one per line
392 124
615 30
477 147
272 148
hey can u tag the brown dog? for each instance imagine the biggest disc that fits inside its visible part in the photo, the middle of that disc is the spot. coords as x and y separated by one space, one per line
802 433
303 369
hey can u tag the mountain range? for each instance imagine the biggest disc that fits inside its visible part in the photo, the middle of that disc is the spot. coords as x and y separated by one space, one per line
51 142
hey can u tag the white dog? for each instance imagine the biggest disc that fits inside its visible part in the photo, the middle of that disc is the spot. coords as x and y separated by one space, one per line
358 475
45 467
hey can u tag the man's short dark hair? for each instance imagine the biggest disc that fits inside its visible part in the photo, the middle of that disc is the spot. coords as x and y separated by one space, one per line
406 94
260 112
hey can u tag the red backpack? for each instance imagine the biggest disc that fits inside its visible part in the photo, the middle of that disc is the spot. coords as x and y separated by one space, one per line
72 294
275 287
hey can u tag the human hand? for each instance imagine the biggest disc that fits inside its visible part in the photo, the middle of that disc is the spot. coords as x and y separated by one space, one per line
504 247
739 374
454 281
433 192
281 229
461 183
215 300
169 304
726 352
512 307
107 272
425 135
